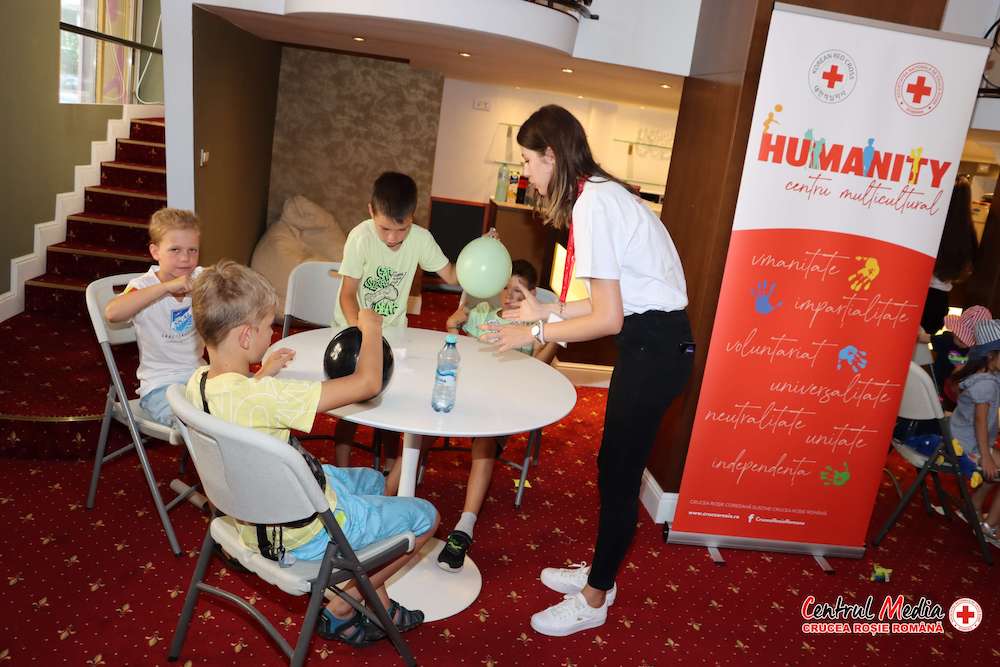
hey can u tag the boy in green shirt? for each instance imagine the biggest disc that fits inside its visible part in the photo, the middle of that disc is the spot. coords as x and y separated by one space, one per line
523 278
381 257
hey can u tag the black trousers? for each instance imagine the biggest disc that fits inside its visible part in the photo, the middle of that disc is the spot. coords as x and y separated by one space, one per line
653 366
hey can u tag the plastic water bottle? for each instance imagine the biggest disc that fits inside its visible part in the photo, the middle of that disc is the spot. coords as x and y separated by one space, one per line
443 398
503 177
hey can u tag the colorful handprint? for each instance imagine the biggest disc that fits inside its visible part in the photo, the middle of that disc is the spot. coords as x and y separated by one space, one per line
866 274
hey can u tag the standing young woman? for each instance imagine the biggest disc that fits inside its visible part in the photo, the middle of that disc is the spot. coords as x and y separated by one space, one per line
637 291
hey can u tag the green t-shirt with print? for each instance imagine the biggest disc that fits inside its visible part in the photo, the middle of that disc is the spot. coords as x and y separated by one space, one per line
483 313
384 275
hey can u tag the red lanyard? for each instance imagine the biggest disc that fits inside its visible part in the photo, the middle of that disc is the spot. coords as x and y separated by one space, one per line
570 249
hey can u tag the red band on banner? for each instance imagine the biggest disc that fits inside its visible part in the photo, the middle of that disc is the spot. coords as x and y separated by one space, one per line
570 248
802 386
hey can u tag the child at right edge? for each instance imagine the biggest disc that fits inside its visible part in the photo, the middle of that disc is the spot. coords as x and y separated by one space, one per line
975 424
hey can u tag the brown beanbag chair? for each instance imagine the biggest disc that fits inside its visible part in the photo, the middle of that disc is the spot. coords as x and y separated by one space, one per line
305 231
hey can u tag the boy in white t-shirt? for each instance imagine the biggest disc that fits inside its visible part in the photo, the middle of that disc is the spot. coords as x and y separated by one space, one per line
159 305
381 258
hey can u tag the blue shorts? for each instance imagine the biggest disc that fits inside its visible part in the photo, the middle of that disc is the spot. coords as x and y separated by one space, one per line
371 516
156 406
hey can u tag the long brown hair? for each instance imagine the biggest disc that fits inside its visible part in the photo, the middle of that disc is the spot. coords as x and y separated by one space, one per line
959 245
554 127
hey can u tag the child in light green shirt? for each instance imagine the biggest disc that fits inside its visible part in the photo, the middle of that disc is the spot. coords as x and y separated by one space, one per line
523 278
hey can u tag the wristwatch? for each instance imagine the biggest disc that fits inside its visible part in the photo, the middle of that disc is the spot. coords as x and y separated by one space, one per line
538 331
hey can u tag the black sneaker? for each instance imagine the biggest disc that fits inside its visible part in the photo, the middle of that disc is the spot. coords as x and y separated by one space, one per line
452 556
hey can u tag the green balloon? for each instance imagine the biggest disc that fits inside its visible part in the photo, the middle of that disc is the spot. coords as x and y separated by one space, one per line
483 267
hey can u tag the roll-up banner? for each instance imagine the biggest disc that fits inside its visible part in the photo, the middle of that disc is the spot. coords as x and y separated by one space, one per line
856 138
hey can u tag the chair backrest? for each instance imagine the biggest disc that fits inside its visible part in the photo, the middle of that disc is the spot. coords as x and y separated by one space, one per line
922 354
312 292
246 474
99 293
920 398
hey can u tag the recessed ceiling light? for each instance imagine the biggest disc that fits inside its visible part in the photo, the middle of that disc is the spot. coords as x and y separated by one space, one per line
359 39
643 108
464 54
664 85
579 97
567 70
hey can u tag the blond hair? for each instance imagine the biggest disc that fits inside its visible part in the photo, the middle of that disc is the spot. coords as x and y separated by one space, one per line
171 219
228 295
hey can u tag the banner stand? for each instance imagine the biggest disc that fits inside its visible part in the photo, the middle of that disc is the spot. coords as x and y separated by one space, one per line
857 133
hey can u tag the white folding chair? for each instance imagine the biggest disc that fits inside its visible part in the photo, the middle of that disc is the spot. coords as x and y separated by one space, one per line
311 294
920 402
254 478
922 357
123 410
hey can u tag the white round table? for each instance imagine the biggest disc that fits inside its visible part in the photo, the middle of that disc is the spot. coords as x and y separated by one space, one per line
498 394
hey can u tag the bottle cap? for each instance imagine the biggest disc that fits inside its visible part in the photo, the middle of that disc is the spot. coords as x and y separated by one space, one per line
451 339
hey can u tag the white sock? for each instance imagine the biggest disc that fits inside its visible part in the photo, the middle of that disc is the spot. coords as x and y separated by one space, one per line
467 523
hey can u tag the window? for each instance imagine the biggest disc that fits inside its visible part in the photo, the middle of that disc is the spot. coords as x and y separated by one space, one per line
91 70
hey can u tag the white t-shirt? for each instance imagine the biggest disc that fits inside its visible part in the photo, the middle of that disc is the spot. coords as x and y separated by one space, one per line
617 237
168 342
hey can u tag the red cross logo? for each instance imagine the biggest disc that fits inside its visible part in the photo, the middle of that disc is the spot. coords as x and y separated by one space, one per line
833 77
919 89
966 614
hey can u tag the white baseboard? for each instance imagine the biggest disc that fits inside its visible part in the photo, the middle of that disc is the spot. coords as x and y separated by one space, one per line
660 505
29 266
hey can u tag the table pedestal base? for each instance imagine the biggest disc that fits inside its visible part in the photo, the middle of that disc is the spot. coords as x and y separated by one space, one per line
425 586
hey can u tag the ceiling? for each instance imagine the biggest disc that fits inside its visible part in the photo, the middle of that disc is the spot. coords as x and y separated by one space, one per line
492 59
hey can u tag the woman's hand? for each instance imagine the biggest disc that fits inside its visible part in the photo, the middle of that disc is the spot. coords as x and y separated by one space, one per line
458 318
274 363
528 310
508 337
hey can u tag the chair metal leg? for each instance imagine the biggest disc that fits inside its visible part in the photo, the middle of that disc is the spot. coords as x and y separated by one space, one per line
147 471
926 498
894 517
895 482
942 496
102 444
313 609
375 604
529 450
286 326
187 611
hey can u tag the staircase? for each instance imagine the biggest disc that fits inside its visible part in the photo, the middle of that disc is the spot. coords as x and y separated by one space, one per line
55 383
110 235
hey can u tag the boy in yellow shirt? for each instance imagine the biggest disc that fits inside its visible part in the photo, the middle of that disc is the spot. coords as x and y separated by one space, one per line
233 310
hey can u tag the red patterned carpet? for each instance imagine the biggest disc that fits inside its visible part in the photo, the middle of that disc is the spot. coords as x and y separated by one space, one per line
101 588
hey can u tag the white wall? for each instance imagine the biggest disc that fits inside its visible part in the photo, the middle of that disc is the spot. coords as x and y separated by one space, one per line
973 18
463 166
649 34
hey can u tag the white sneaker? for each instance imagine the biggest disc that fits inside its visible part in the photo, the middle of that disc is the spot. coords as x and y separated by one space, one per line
571 615
571 580
991 534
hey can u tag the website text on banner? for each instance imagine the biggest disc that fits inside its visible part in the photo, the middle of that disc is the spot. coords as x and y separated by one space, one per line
857 133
